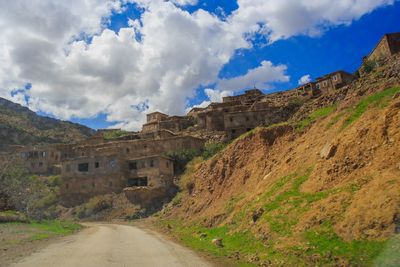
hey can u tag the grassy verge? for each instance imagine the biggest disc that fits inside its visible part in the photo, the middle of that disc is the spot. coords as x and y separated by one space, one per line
18 233
282 244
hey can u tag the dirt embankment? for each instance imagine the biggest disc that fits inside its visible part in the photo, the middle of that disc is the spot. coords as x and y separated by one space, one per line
308 188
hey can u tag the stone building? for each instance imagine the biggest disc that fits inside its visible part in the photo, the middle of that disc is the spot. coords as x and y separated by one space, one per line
334 81
387 46
85 177
157 121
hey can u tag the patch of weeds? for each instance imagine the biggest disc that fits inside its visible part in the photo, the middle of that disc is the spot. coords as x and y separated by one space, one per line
57 227
379 100
241 243
324 241
211 149
314 116
109 135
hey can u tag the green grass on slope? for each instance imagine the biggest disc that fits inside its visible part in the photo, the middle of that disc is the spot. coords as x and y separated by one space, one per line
317 114
379 100
283 204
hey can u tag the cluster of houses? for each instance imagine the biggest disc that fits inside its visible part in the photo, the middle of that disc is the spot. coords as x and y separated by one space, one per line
138 164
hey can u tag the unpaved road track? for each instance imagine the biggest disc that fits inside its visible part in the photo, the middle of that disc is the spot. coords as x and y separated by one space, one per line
113 245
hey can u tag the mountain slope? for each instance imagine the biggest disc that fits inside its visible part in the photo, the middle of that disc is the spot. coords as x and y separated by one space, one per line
21 126
320 190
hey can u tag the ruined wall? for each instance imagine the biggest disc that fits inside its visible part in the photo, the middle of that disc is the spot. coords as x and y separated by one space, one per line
382 50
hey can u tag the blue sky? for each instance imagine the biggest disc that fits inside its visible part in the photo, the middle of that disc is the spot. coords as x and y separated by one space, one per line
96 70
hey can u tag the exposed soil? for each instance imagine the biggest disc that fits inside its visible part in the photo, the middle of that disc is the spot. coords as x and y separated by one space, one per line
356 186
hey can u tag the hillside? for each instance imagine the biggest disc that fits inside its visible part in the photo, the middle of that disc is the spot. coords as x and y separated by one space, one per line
21 126
319 190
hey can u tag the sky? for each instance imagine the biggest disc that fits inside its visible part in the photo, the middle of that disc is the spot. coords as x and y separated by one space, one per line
106 63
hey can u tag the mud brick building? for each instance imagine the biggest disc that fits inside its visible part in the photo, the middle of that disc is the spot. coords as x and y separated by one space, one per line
158 121
387 46
86 177
334 81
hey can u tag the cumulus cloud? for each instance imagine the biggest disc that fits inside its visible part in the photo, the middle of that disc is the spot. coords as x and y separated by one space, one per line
305 79
78 68
260 77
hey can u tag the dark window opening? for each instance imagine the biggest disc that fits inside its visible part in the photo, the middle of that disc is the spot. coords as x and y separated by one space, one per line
133 165
97 165
151 163
40 164
233 131
145 146
141 181
231 119
83 154
128 151
247 119
248 129
83 167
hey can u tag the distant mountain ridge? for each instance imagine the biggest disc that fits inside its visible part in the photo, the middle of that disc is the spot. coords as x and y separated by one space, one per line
21 126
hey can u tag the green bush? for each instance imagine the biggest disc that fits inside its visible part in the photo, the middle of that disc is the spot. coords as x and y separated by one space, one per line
369 66
182 157
212 149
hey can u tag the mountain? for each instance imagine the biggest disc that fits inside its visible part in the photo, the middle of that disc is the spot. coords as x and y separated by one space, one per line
21 126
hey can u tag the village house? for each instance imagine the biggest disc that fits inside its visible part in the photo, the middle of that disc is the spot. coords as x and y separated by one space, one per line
387 46
333 81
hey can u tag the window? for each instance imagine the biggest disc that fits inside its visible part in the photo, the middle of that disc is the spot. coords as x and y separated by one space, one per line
335 78
247 118
113 164
97 164
140 181
133 165
40 164
151 163
325 83
233 131
231 119
83 167
128 151
83 154
248 129
318 86
145 146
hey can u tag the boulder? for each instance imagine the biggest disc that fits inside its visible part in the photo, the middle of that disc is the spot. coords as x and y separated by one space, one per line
217 242
328 151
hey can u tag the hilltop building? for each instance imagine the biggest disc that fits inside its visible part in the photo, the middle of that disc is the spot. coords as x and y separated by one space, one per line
387 46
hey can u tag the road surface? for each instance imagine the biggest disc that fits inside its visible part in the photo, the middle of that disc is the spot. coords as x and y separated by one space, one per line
103 245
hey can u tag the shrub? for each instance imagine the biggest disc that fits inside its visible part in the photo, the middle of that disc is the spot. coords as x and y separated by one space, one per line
182 158
369 66
212 149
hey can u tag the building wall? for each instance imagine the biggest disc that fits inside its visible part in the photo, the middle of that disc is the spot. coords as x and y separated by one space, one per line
111 174
334 81
156 116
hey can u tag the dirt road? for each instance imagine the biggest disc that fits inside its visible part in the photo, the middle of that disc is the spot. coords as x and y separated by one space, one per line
113 245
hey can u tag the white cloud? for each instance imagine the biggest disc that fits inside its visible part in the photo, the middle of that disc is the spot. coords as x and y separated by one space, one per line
260 77
305 79
43 42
